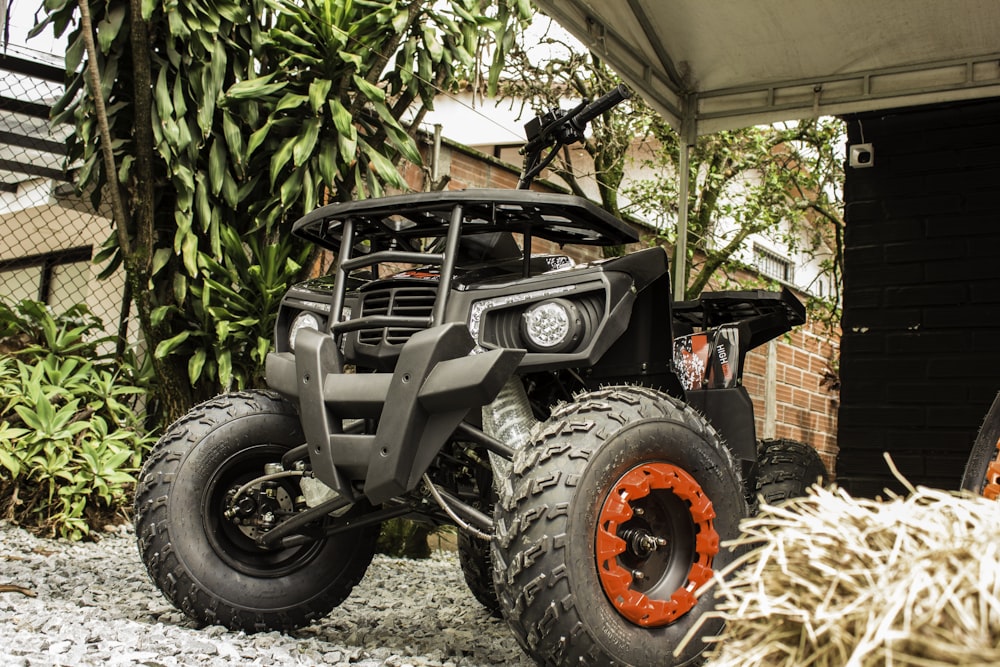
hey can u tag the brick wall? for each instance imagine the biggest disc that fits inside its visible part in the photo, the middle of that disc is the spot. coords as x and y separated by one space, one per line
921 343
800 405
804 397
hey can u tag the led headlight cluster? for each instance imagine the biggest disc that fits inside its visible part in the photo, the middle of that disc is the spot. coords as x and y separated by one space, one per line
304 320
553 326
310 320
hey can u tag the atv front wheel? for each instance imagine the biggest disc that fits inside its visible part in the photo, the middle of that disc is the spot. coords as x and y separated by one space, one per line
616 520
208 564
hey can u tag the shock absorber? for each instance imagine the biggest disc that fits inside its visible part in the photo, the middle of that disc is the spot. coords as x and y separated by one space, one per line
510 420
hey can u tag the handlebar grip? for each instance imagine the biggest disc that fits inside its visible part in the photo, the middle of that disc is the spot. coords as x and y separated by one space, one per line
600 105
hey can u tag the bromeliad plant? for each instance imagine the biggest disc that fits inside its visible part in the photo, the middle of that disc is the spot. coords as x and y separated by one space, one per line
70 437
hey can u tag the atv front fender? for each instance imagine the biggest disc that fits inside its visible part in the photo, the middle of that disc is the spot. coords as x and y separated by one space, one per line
419 405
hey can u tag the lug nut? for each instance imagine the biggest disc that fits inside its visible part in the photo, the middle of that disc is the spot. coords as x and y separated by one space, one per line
638 576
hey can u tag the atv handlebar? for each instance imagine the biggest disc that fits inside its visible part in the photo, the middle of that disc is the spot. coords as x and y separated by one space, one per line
558 128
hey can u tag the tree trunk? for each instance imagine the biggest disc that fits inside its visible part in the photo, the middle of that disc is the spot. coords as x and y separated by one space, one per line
174 389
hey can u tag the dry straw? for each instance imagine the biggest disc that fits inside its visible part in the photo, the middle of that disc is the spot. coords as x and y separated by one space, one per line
834 580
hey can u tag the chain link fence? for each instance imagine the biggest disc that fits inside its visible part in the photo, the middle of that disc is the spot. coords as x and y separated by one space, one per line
48 235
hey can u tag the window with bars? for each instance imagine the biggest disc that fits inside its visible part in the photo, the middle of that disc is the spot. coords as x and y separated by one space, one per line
773 265
57 278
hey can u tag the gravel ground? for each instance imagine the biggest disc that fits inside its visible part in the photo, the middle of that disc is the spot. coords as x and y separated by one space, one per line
92 604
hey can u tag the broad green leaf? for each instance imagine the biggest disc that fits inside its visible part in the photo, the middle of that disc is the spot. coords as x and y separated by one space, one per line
74 54
254 88
160 259
178 28
383 167
309 199
166 347
329 167
159 314
256 139
202 206
281 157
342 120
291 188
234 138
125 168
189 253
230 194
291 39
263 347
347 142
352 58
225 368
318 91
401 20
291 101
108 28
195 365
433 44
217 159
161 95
8 461
372 92
180 287
306 142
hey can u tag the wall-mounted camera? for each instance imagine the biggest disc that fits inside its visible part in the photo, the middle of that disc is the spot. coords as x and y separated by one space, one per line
861 156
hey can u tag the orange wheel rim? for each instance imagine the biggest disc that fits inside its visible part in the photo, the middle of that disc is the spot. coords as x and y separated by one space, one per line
992 487
655 543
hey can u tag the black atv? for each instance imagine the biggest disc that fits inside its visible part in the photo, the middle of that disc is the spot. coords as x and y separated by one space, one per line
590 439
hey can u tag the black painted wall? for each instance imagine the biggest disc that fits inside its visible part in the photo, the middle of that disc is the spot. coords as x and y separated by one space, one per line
920 355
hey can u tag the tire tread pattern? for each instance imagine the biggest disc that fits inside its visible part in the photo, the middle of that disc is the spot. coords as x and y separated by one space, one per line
786 469
153 523
538 604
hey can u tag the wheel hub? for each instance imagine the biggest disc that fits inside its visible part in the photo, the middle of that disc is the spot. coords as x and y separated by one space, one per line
655 543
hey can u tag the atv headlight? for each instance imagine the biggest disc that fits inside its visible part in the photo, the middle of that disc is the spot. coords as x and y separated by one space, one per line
551 326
304 320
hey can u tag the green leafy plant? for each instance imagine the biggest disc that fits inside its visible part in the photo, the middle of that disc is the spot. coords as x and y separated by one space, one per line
226 121
70 434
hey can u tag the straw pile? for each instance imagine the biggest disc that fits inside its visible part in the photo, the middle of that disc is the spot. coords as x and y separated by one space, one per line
840 581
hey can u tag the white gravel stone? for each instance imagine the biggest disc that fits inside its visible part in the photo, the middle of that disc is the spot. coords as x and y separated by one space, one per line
94 605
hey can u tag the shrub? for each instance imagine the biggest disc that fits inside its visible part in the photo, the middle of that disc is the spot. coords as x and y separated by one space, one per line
70 438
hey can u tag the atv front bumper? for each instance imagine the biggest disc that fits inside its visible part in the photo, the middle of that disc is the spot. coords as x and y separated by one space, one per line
418 406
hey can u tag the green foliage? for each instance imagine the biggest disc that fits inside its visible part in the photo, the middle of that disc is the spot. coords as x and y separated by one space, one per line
402 538
258 111
69 435
782 182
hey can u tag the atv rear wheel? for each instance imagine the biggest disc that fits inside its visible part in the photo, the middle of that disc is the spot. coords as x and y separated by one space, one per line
477 568
787 469
474 553
210 566
616 519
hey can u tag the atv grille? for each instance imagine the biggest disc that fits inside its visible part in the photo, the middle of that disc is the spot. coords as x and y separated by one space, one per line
399 301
